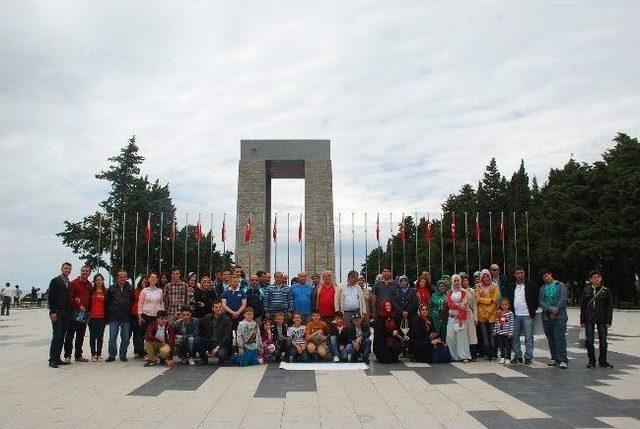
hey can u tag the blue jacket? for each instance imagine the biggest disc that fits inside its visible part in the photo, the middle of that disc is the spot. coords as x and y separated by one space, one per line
302 297
560 301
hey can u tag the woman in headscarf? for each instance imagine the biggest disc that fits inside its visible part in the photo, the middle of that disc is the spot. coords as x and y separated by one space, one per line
438 310
387 341
423 289
472 317
422 335
487 296
457 338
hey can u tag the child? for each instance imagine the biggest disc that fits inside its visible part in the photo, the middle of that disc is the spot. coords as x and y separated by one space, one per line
296 338
503 329
268 349
360 337
280 337
248 338
159 340
340 345
316 336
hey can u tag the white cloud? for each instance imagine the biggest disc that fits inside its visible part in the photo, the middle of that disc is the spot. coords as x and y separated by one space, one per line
415 96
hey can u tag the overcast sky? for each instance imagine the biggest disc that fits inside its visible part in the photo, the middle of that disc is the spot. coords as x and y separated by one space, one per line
416 97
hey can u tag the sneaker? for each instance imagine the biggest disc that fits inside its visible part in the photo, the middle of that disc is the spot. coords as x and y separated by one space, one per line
110 359
63 362
94 358
67 360
336 359
82 359
552 363
591 365
192 361
150 363
527 361
53 365
606 365
563 365
124 359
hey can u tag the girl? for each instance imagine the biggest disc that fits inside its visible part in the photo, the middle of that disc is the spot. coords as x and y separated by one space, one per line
457 338
150 301
268 349
97 321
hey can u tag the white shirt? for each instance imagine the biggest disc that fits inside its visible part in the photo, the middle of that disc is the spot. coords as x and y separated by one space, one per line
351 297
520 302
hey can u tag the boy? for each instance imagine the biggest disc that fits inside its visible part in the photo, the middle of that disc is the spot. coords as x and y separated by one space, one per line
503 329
159 340
248 338
360 337
296 334
187 331
316 336
340 344
280 337
596 310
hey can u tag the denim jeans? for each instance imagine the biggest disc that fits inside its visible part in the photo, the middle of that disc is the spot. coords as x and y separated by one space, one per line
96 336
602 342
365 350
523 325
124 326
555 331
488 342
335 348
186 347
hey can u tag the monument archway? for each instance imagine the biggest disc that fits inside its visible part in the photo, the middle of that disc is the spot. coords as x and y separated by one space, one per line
264 160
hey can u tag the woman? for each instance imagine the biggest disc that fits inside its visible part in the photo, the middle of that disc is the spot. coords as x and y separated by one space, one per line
423 290
136 328
387 341
422 336
472 318
97 320
438 310
457 338
150 302
487 295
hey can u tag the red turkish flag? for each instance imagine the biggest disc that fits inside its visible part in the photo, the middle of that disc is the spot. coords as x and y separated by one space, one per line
453 227
199 231
428 233
248 231
300 230
501 230
477 228
401 232
147 230
172 231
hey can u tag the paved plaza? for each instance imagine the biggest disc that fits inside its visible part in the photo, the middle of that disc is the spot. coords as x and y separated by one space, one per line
405 395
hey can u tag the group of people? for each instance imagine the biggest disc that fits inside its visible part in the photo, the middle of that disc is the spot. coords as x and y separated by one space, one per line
251 320
8 293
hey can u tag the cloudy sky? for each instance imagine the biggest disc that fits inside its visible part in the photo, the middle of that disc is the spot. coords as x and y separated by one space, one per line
416 97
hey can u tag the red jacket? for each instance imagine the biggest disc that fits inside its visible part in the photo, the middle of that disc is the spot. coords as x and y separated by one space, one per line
170 335
81 290
136 297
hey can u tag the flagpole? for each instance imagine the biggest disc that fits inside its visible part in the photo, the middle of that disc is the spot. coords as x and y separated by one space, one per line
490 241
504 253
404 247
453 221
173 241
366 250
198 239
275 243
135 252
353 243
340 246
378 239
441 244
429 244
99 239
526 223
124 222
211 249
161 239
111 250
148 241
415 222
391 238
478 240
186 239
300 241
224 241
332 237
288 254
515 238
466 243
250 241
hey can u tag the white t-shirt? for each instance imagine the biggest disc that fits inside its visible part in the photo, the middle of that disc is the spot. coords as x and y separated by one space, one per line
520 302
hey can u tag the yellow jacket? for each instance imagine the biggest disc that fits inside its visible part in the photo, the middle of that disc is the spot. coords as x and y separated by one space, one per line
487 303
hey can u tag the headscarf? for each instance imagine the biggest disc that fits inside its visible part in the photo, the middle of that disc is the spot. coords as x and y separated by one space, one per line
491 284
425 319
454 278
383 311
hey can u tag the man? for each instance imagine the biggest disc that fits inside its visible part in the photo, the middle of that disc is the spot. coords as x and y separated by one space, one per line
352 300
17 293
301 292
494 269
327 297
120 297
553 301
596 310
278 297
58 313
360 336
159 340
216 335
255 297
241 277
523 296
226 278
6 299
384 290
175 294
234 300
187 331
80 296
203 298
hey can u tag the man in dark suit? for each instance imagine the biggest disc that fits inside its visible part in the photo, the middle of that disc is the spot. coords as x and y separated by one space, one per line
59 313
523 298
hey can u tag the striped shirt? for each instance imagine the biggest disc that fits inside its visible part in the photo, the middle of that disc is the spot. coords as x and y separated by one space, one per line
278 298
175 296
504 324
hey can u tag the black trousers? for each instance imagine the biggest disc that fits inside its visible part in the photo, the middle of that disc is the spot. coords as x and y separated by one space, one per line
6 305
602 341
59 329
78 330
